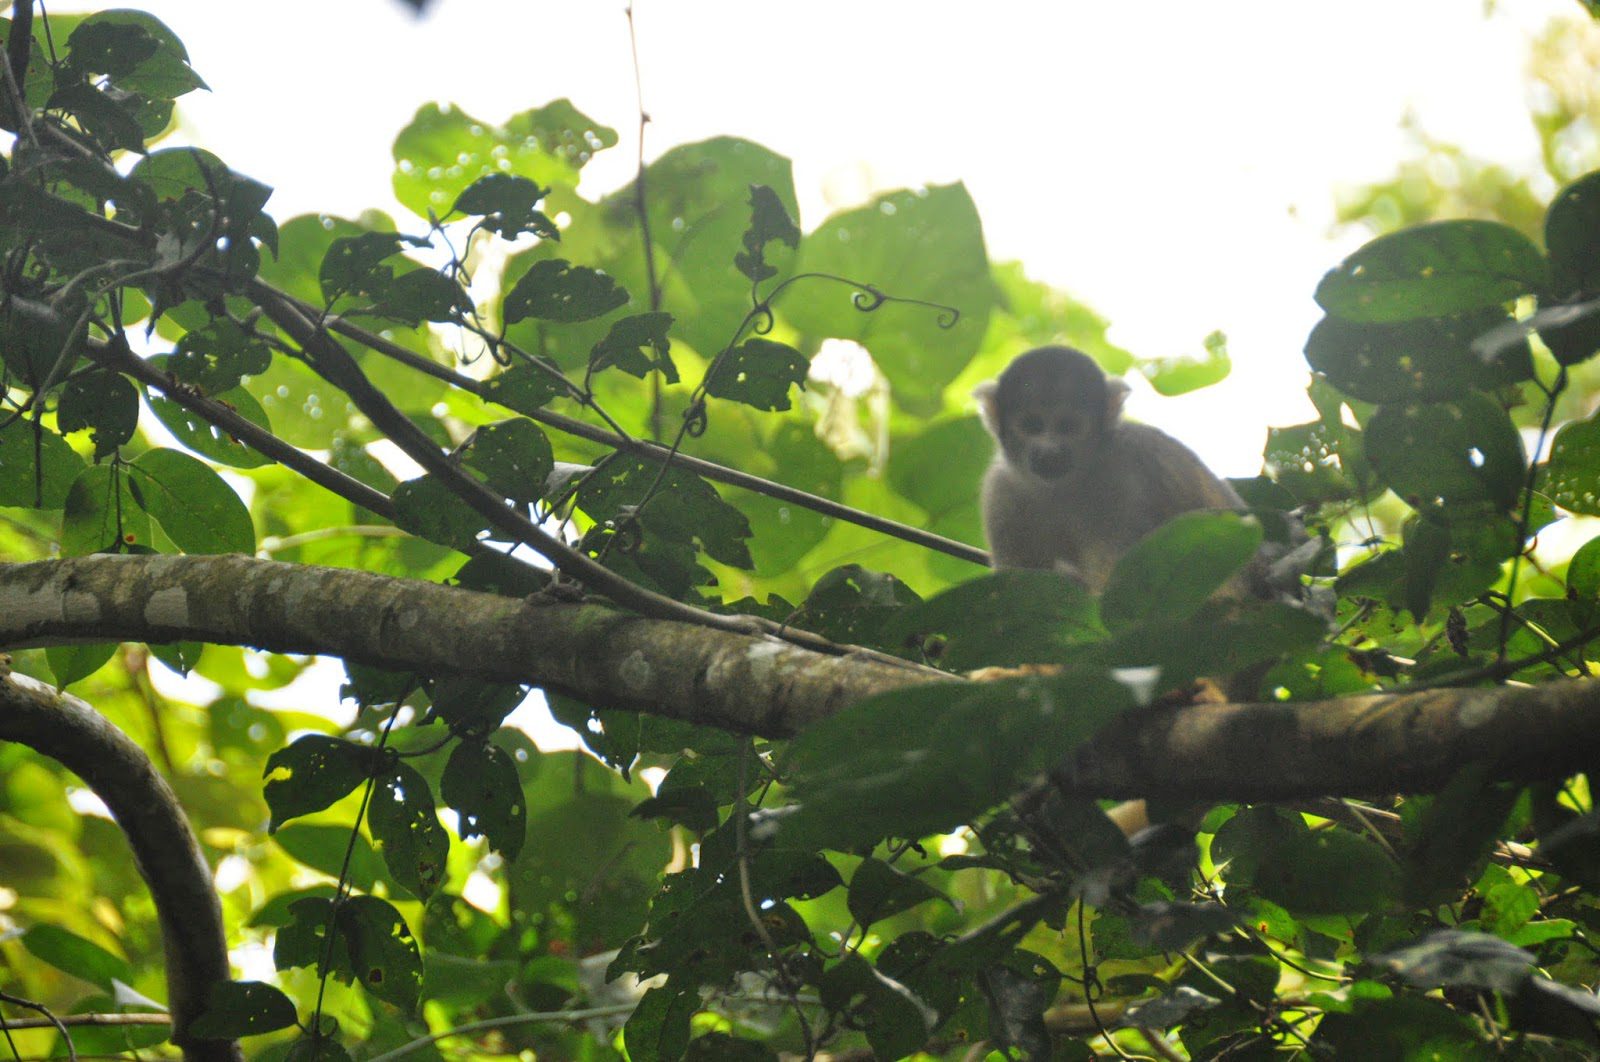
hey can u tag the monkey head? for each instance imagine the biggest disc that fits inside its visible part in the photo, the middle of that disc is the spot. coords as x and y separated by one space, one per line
1049 410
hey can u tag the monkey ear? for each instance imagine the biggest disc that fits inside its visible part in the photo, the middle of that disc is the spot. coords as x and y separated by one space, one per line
1116 393
987 394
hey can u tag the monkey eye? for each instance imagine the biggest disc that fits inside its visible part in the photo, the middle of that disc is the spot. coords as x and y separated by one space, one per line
1031 423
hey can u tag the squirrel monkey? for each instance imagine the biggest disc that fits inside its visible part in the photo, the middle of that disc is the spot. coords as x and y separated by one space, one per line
1074 486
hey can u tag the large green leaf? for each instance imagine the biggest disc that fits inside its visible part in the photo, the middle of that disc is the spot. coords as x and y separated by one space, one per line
1572 236
83 959
480 783
1169 573
924 245
101 514
1458 454
444 150
1445 267
37 467
926 759
1428 358
197 510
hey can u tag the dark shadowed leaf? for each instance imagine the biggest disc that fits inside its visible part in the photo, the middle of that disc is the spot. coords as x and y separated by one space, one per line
769 220
312 773
406 828
1458 957
506 204
878 891
514 457
1572 236
105 403
1001 619
658 1028
383 953
758 372
1428 358
637 345
480 783
557 290
429 509
243 1008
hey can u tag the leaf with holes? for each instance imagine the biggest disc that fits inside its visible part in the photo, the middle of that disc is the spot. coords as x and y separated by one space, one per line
1431 270
557 290
514 457
758 372
1458 454
105 403
480 783
383 953
769 221
242 1008
506 203
636 345
403 821
312 773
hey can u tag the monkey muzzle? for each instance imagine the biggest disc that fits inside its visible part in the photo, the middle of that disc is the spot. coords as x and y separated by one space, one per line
1050 462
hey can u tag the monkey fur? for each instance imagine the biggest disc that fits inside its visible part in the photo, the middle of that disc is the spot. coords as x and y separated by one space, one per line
1073 486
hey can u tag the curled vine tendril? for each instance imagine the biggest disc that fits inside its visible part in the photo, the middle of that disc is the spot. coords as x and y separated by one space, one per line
695 420
763 321
868 299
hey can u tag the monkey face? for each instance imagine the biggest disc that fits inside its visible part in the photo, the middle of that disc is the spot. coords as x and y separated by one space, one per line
1049 439
1049 410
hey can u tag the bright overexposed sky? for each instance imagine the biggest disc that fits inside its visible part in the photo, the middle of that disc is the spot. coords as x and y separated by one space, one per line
1172 164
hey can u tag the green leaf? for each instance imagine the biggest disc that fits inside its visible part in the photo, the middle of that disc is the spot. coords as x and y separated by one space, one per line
1307 872
470 705
514 457
204 438
879 891
421 295
1001 619
557 290
480 783
322 847
925 759
684 508
101 514
216 357
1171 572
70 663
105 403
444 151
383 953
1179 376
1464 452
429 509
316 1049
523 388
312 773
37 467
1428 358
1457 957
197 510
83 959
406 828
637 345
1572 478
505 202
1445 267
1454 837
353 265
658 1028
897 1022
926 245
136 50
769 220
759 373
1583 579
1572 236
243 1008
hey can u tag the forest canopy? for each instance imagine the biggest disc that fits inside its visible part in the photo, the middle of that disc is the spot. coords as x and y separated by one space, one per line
522 438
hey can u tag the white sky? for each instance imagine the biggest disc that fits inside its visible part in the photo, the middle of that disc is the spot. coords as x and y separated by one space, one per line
1172 164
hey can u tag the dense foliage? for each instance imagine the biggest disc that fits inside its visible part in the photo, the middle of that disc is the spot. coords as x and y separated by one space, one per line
185 373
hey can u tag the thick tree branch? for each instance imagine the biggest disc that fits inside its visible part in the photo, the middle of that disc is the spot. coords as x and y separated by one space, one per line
69 731
760 685
607 657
